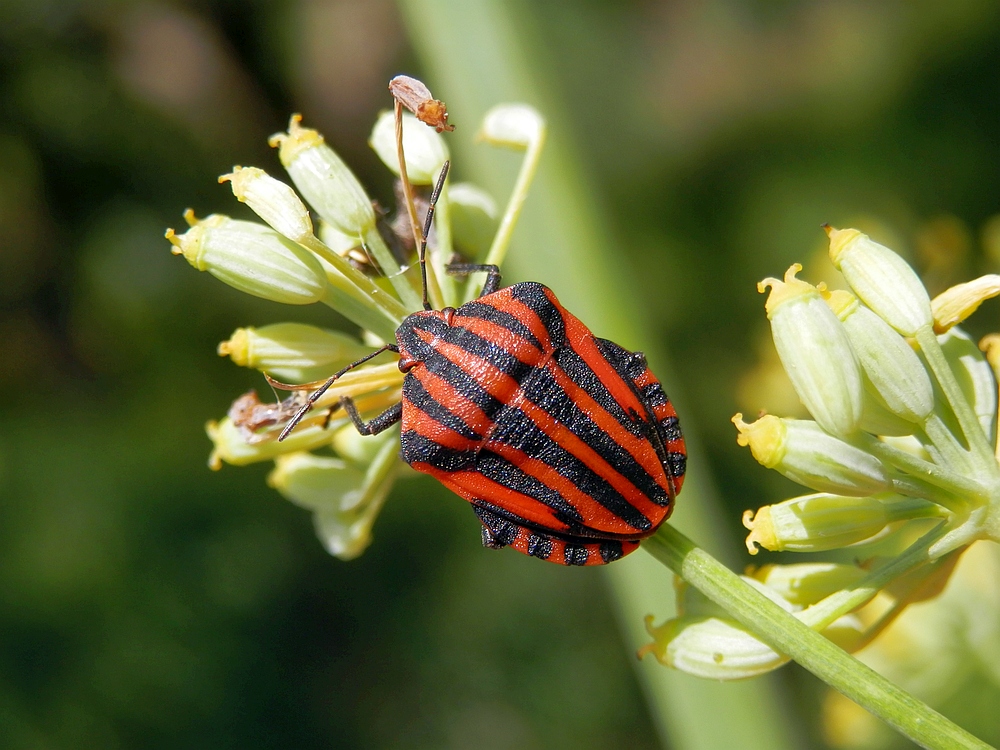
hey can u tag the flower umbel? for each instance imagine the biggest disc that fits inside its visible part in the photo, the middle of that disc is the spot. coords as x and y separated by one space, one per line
343 260
901 456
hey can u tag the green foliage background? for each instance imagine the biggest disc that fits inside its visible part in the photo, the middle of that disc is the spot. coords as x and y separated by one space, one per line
148 602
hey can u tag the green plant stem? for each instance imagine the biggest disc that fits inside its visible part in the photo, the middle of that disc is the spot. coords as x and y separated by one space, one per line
356 306
786 634
952 452
967 419
929 472
501 240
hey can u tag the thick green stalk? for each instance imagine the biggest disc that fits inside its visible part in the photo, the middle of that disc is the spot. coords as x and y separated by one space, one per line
786 634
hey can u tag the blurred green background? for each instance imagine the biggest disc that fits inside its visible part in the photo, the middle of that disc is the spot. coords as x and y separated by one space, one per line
146 601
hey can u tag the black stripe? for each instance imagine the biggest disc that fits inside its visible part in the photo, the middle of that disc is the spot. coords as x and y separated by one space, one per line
514 428
677 463
482 311
418 396
670 429
455 376
653 395
539 546
503 472
630 365
611 550
532 294
458 335
575 554
542 390
581 374
415 448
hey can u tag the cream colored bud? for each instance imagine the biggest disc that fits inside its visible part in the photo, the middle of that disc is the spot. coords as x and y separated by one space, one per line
893 368
252 258
323 179
289 347
804 453
954 305
711 647
974 375
802 584
881 279
424 149
272 200
515 126
876 418
824 521
815 351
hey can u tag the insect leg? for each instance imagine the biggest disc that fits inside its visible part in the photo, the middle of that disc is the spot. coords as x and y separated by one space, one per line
382 422
492 274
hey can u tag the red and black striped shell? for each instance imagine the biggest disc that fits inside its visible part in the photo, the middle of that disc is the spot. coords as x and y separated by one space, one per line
564 443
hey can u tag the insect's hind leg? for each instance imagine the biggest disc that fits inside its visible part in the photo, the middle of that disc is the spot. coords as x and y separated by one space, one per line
382 422
492 274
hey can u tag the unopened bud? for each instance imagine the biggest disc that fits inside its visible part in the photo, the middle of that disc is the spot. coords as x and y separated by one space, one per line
882 279
425 150
814 523
252 258
815 351
285 348
515 126
890 363
473 218
272 200
803 584
323 179
806 454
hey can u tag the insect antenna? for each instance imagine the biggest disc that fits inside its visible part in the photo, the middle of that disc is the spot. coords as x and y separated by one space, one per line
427 228
317 394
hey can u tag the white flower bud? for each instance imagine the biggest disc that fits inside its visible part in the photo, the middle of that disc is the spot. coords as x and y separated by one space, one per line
715 648
424 149
974 375
890 363
516 126
806 454
272 200
323 179
252 258
815 351
285 349
882 279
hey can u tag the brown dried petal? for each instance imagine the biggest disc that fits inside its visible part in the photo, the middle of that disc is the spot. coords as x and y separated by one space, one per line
416 97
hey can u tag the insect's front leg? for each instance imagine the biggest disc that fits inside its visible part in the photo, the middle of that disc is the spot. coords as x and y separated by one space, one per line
382 422
492 274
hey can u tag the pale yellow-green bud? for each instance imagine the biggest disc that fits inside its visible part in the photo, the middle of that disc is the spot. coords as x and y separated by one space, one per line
272 200
340 243
323 179
803 584
823 521
516 126
252 258
815 351
285 349
230 443
956 304
890 363
711 647
882 279
335 492
876 417
424 149
806 454
473 218
974 375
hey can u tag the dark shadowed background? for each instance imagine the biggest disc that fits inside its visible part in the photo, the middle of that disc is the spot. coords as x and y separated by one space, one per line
146 601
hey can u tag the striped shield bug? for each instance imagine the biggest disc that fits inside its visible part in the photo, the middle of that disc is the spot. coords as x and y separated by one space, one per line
564 443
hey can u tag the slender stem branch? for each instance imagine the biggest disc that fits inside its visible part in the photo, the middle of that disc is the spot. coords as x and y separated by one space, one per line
929 472
953 393
501 240
788 635
952 452
400 282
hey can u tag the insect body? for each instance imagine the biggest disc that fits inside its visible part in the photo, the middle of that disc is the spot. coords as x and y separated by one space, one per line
564 443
